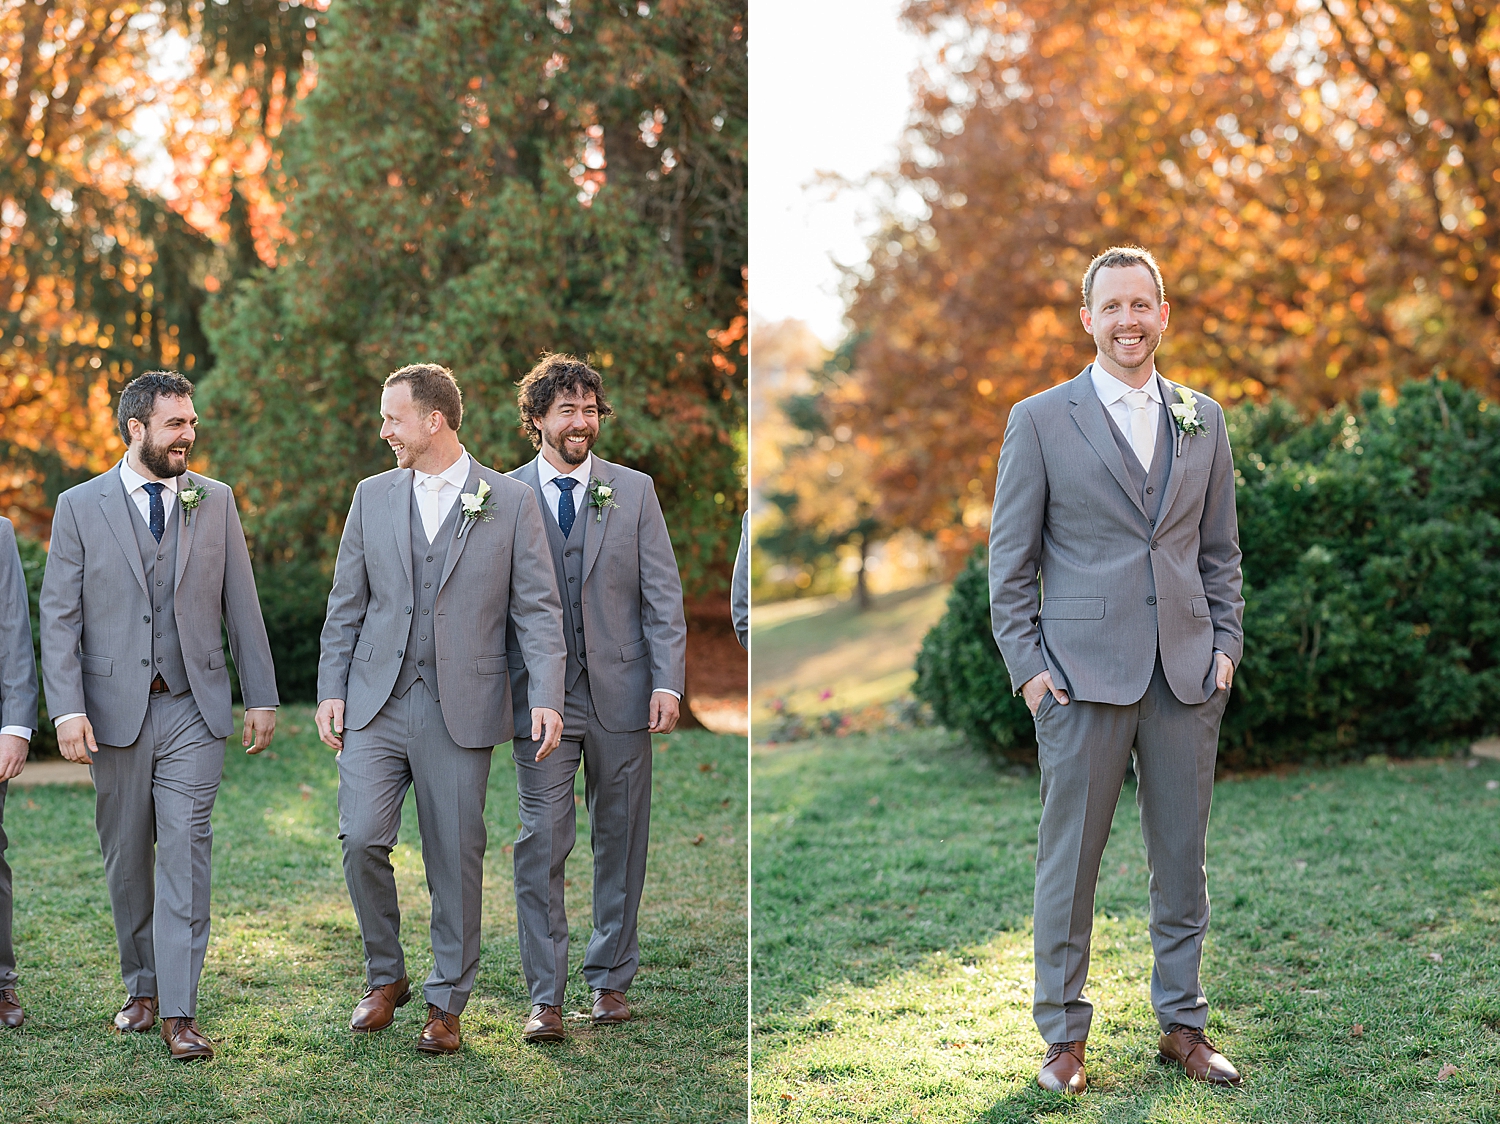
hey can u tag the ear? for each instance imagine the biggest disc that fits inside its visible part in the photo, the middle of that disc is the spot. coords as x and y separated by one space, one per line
136 430
1087 317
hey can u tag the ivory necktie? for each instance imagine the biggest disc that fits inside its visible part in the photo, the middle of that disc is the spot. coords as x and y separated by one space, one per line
1142 426
427 503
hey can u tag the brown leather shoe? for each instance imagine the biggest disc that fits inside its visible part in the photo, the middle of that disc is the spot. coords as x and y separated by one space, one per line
1062 1069
609 1007
138 1015
546 1024
440 1035
10 1008
1190 1048
185 1040
377 1010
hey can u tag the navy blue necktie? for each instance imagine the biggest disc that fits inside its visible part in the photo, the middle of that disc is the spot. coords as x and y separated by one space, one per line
566 512
158 512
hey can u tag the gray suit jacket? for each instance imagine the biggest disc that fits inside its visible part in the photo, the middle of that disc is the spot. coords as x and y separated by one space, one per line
18 696
1075 563
633 621
497 568
96 612
739 586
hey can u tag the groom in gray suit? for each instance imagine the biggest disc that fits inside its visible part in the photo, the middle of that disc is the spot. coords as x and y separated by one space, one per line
147 566
17 721
1115 598
436 554
627 644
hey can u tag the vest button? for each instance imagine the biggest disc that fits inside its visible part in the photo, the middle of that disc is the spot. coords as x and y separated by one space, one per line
1149 491
429 558
1150 601
160 557
425 612
575 604
158 636
145 663
422 663
158 583
423 638
426 585
572 580
147 618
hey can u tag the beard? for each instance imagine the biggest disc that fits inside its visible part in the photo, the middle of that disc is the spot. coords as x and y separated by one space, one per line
572 456
1149 343
408 455
157 458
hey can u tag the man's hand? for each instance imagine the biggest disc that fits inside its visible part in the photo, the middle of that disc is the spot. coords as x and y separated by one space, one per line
260 728
1223 671
1037 687
665 710
330 719
75 738
546 727
13 750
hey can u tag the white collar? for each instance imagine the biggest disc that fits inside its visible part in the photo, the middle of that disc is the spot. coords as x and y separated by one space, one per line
135 481
546 472
456 473
1110 389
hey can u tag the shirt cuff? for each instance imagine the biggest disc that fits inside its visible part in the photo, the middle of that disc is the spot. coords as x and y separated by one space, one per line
18 731
667 691
261 708
63 718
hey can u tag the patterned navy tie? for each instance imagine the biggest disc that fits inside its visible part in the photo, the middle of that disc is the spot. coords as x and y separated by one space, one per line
158 512
566 512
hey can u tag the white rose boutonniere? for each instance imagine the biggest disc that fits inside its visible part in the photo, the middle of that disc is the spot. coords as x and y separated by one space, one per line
601 496
190 497
476 506
1185 414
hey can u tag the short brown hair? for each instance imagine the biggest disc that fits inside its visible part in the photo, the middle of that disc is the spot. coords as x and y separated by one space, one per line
432 388
138 399
553 375
1119 257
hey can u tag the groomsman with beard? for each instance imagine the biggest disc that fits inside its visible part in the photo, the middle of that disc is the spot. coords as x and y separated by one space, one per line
17 720
626 651
147 566
1115 599
436 554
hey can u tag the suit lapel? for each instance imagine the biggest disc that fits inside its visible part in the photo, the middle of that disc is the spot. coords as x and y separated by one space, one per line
456 547
185 531
1189 451
115 505
400 504
1088 413
594 530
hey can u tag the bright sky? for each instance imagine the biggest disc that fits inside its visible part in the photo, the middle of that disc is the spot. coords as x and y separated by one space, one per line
829 93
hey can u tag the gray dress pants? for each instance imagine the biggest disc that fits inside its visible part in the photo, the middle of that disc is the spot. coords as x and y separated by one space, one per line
153 800
617 792
407 745
7 949
1083 749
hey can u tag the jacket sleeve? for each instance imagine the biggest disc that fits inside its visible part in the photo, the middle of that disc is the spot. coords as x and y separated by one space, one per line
536 608
739 588
347 602
242 616
1219 551
61 607
662 618
18 694
1016 549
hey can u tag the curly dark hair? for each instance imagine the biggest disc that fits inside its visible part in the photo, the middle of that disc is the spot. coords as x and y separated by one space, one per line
138 399
553 375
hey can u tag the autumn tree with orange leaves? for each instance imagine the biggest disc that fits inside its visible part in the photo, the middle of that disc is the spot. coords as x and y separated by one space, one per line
1319 179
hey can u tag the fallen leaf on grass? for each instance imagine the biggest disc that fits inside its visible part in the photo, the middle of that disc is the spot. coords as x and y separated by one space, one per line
1447 1071
1357 1031
306 790
507 849
1435 957
698 840
706 767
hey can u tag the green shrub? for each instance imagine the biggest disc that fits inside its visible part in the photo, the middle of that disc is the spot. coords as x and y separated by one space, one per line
1372 564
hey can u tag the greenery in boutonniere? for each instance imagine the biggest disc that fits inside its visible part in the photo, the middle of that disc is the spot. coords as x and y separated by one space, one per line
601 496
190 498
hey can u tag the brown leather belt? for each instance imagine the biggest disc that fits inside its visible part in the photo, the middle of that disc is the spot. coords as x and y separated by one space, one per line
159 685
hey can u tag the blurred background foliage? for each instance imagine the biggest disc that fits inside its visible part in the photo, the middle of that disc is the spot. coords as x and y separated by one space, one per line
288 200
1318 180
1372 552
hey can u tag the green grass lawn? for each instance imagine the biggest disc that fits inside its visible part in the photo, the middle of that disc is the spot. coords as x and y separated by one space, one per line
1354 950
284 965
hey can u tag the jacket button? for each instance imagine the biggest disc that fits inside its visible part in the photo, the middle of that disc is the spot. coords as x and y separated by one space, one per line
408 610
1153 546
400 652
1150 601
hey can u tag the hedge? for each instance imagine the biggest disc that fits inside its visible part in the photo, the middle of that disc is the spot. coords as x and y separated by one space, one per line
1371 538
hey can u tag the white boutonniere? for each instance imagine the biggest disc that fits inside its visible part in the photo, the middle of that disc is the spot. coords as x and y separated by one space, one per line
190 497
476 506
1185 414
601 496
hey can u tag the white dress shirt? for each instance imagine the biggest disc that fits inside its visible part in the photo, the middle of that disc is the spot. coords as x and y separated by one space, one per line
1112 392
552 495
437 492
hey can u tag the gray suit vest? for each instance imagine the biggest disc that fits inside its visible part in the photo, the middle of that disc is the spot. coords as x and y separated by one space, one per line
419 661
159 560
1150 486
567 560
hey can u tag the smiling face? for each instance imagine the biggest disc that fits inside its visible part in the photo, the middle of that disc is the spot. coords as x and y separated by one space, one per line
160 449
569 429
405 427
1127 321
